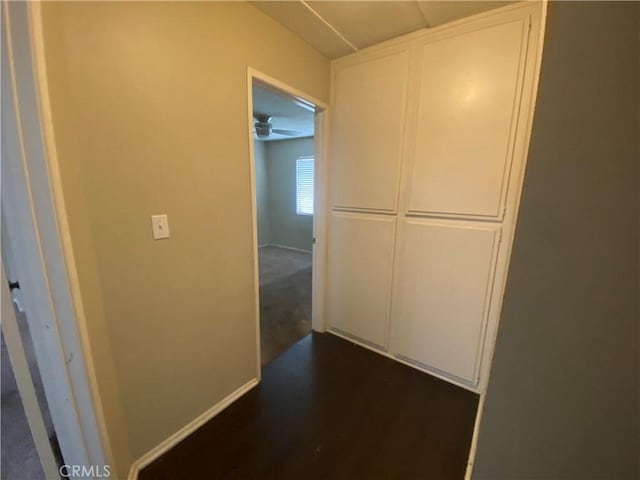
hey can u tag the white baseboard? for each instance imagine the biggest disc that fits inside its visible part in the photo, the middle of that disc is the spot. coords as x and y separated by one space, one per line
424 369
188 429
474 439
290 248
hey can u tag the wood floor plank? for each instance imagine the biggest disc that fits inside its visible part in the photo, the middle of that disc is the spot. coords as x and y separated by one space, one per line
329 409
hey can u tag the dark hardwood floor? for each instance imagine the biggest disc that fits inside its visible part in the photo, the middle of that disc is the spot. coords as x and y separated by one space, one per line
328 409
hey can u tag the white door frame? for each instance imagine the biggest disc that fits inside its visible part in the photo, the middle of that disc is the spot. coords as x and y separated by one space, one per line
24 382
35 218
319 191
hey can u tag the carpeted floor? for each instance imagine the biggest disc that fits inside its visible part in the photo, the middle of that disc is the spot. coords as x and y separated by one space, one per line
19 456
285 299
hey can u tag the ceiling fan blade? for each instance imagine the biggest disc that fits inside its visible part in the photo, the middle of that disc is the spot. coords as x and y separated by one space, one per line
290 133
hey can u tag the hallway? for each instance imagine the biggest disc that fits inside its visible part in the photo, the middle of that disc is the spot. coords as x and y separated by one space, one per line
330 409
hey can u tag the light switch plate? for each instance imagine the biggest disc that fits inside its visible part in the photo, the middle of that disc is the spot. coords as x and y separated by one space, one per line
160 226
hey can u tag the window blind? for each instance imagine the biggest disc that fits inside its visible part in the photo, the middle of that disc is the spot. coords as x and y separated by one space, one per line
304 186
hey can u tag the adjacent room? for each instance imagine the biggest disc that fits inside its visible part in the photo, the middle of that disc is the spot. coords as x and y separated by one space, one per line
284 173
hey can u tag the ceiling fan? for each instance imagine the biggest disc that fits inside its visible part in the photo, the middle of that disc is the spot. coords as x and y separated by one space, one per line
264 127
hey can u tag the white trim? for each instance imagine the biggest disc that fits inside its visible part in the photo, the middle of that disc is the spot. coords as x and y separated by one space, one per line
167 444
274 83
321 213
474 438
537 16
374 50
319 225
538 21
290 248
40 69
254 223
37 225
329 26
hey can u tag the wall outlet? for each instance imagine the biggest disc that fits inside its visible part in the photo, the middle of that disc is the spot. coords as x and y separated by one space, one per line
160 226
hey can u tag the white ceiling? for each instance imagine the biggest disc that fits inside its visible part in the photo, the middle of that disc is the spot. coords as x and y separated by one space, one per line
285 112
337 28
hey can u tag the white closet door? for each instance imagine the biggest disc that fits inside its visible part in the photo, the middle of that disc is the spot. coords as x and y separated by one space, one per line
467 112
367 129
359 275
442 296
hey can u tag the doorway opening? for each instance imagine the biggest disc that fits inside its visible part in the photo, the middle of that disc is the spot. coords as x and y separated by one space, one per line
284 164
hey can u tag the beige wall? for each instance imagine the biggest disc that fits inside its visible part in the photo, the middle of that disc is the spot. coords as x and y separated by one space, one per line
563 395
275 171
287 228
150 113
262 192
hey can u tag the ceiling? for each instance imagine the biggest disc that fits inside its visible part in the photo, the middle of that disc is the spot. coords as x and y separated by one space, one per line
286 113
338 28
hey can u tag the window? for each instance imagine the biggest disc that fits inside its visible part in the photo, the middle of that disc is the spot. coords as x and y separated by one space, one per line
304 186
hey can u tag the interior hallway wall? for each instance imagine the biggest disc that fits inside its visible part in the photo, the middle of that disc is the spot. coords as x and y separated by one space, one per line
262 192
287 228
149 105
563 395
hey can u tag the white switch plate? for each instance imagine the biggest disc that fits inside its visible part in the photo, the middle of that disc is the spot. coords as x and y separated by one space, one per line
160 226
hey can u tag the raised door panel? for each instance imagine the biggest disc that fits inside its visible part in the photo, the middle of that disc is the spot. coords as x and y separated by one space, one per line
467 111
359 275
444 280
367 128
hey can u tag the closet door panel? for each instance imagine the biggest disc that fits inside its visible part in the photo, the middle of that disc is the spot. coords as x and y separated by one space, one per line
467 110
359 275
444 281
367 128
